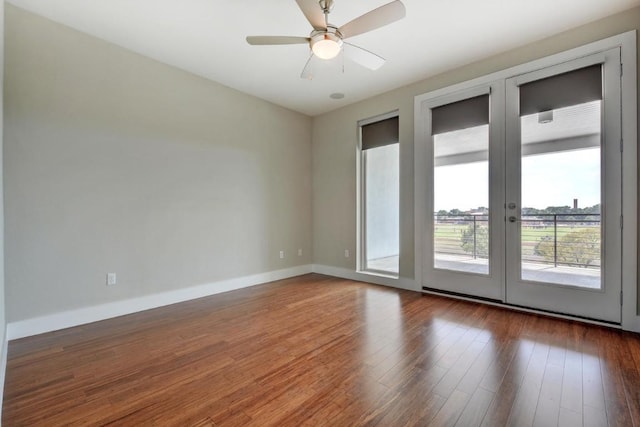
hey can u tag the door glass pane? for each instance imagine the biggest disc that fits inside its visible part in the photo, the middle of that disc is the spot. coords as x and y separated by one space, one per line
461 200
560 228
382 210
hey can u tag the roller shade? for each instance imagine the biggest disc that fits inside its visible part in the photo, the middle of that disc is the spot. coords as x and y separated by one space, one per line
563 90
464 114
378 134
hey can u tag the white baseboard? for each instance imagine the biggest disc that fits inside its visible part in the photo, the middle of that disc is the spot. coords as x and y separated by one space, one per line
81 316
400 282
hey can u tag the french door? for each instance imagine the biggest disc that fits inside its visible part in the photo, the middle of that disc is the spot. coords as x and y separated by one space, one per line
563 132
525 180
464 253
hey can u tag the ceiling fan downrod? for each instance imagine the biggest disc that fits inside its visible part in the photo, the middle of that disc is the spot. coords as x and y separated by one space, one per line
326 6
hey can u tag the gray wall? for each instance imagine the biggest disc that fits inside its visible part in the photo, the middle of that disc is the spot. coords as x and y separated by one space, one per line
117 163
335 137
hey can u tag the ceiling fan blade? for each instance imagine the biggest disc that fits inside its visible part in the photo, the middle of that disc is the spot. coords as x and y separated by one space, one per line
313 13
274 40
363 57
375 19
306 71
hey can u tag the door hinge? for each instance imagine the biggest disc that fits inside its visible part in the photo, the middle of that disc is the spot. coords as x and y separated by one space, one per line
620 297
621 222
621 69
621 145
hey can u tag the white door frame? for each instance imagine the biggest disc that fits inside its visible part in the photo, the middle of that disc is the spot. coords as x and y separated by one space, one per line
490 286
627 43
600 304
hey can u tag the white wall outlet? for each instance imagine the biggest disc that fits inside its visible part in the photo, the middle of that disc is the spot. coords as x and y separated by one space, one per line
281 254
299 252
111 279
346 253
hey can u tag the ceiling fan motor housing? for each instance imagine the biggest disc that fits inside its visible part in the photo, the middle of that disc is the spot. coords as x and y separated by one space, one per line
326 5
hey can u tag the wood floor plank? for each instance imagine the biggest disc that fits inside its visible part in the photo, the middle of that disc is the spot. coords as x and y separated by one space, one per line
593 417
548 405
506 382
592 388
476 408
451 410
571 398
454 375
321 351
569 418
524 408
630 374
617 408
474 375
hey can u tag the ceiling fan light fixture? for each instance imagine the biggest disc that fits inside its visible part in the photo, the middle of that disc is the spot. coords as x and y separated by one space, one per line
326 40
326 45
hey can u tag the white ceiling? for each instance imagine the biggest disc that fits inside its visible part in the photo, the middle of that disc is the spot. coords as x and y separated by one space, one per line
207 38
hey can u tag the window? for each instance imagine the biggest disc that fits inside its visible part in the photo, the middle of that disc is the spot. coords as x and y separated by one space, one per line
560 136
461 185
380 196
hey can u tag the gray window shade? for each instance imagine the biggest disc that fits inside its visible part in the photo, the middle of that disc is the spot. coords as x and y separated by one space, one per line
378 134
572 88
464 114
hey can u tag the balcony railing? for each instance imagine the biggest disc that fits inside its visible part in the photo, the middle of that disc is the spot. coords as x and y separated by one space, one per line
554 239
465 235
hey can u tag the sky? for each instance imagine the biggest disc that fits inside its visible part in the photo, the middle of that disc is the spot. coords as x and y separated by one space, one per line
552 179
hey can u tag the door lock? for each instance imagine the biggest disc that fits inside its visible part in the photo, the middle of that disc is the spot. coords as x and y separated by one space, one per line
513 219
511 205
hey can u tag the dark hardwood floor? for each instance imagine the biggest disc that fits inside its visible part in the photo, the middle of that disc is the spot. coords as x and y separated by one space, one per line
316 350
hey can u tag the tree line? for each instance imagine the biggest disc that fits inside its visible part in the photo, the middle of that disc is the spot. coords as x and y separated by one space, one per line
549 210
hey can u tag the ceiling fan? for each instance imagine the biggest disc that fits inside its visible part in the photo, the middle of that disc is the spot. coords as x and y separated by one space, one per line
327 40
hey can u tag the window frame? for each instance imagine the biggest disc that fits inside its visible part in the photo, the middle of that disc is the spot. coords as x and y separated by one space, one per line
361 247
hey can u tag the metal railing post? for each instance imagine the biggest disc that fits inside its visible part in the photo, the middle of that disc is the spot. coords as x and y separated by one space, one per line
555 240
474 237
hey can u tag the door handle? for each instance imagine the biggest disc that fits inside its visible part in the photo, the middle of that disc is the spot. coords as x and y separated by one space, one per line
513 219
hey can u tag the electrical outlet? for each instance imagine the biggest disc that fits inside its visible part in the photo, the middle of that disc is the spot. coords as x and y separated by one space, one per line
111 279
346 253
299 252
281 254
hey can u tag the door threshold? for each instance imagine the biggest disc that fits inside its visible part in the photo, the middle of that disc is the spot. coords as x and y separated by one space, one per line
498 303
